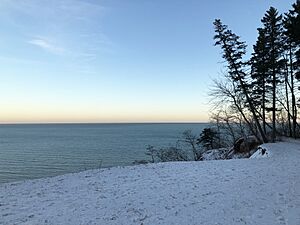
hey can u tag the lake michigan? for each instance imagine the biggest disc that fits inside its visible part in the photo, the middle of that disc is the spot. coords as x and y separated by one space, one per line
29 151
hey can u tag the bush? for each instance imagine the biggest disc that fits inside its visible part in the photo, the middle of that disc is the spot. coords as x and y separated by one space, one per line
171 154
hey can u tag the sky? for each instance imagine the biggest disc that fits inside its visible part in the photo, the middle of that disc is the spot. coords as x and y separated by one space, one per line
116 60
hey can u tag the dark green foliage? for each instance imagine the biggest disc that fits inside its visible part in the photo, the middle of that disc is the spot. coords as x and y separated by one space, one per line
233 52
267 93
273 38
291 25
259 74
208 138
272 23
292 32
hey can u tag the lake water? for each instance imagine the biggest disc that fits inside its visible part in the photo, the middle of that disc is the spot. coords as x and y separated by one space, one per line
30 151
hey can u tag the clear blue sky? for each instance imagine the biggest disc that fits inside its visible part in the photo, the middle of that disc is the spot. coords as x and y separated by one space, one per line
115 60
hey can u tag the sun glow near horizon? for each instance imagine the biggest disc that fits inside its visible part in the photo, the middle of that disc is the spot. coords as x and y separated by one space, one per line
75 115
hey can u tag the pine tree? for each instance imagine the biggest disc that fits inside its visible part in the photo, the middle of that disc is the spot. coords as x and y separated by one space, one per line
207 138
233 52
260 74
292 26
273 35
292 36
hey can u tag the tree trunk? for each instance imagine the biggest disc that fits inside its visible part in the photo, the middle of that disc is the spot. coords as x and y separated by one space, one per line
287 101
249 101
264 104
274 106
263 136
244 116
294 107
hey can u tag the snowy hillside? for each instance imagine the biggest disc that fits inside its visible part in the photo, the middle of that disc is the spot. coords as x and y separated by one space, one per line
243 191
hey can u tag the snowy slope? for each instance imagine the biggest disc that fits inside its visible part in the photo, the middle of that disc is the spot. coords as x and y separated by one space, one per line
243 191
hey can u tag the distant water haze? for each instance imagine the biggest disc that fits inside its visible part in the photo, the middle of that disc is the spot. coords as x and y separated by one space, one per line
30 151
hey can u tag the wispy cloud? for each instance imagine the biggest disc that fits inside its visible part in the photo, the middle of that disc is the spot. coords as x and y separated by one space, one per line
47 45
68 28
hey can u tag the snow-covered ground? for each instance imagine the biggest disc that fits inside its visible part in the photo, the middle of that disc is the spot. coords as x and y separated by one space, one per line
256 191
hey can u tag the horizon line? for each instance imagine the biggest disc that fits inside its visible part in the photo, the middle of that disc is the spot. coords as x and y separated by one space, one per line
142 122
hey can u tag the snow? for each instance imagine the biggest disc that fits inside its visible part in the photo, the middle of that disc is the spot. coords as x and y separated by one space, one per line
228 192
262 152
215 154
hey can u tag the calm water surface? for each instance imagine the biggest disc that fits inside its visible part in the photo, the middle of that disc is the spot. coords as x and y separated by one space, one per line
43 150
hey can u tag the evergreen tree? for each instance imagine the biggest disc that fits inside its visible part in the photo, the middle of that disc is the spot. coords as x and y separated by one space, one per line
260 74
292 31
207 138
233 52
292 45
272 22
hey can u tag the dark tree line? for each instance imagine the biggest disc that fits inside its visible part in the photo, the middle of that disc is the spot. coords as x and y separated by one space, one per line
261 92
